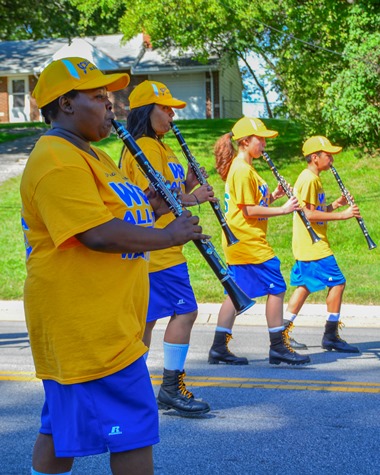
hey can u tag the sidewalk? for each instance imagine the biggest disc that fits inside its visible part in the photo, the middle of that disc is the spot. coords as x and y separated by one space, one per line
312 315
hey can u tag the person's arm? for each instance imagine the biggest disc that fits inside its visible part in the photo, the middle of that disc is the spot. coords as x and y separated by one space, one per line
315 215
117 236
256 211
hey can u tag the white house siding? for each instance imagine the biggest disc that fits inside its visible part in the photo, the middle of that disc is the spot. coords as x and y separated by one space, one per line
230 90
190 88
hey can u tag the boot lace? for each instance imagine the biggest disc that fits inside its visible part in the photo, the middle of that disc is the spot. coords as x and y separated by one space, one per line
182 386
286 337
228 339
339 327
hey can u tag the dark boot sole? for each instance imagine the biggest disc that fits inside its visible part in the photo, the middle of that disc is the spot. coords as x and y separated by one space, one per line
166 407
280 360
237 363
339 350
299 347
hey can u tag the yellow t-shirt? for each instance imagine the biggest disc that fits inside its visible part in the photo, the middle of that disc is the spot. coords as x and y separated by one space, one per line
244 186
85 310
308 189
164 161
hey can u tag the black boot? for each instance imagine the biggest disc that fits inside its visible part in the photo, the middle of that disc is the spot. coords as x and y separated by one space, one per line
174 395
281 352
332 341
292 342
219 352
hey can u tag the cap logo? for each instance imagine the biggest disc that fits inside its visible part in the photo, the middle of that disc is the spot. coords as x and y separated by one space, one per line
155 90
322 141
70 67
253 123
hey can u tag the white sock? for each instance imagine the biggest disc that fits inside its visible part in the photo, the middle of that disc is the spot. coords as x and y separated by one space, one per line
276 329
333 317
290 316
223 329
175 356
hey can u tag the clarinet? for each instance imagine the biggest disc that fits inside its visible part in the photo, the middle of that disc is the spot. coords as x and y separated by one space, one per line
314 237
231 239
350 201
239 298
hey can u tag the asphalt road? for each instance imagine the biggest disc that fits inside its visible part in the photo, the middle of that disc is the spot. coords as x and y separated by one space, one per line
318 419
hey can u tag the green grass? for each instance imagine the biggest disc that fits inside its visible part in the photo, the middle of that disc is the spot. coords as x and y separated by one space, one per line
359 172
9 132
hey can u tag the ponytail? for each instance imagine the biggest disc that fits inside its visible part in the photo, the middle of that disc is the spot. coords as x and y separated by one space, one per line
224 152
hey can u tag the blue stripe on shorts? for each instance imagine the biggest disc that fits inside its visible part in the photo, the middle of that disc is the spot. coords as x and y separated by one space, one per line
170 293
115 413
258 280
317 275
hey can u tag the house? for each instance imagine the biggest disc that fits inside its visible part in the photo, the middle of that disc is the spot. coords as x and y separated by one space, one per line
212 90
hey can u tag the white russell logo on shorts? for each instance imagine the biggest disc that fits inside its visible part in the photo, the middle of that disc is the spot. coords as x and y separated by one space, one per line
115 431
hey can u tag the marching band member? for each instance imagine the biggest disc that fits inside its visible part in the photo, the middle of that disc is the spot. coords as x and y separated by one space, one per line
251 261
171 294
315 267
86 290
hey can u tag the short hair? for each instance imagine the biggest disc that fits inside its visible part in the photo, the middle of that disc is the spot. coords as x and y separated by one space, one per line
50 111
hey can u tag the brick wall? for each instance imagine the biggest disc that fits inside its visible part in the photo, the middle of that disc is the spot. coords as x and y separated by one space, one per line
4 112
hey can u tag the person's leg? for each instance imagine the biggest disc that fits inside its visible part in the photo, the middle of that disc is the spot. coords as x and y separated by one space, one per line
44 459
331 339
132 462
296 301
147 337
280 350
219 351
173 393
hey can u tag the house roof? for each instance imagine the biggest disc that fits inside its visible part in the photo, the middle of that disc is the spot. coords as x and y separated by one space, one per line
108 52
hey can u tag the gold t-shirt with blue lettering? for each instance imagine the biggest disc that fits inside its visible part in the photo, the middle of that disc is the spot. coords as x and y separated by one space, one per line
308 189
244 186
85 310
164 161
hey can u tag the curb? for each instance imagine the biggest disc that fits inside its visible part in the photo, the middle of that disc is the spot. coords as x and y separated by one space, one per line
311 315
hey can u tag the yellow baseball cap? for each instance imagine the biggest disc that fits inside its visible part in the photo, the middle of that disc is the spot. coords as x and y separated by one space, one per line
247 126
153 92
66 74
318 143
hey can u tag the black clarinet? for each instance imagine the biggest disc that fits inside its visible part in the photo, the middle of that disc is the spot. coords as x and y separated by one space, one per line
350 201
314 236
231 239
239 298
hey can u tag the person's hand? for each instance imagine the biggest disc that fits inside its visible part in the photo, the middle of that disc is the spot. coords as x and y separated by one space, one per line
342 201
291 205
279 192
351 212
185 228
205 193
191 178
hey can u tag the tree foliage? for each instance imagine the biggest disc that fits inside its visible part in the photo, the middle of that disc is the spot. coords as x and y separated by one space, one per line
321 56
36 19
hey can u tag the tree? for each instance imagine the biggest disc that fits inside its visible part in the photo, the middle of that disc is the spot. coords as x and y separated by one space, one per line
352 105
297 40
35 19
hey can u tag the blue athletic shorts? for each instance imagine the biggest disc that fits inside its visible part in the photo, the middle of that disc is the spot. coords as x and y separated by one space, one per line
258 280
170 293
116 413
317 275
